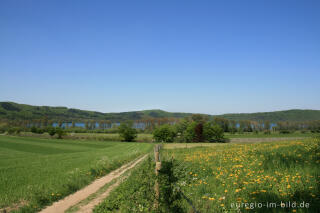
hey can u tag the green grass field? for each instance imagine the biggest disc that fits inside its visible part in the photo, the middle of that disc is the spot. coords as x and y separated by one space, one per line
35 172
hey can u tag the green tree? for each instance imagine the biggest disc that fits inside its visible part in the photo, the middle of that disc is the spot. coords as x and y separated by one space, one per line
190 133
51 131
164 133
213 132
34 129
60 132
127 132
199 118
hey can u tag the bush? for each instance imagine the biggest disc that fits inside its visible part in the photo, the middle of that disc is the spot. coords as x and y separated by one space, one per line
127 132
284 131
51 131
164 133
34 129
37 130
3 129
213 133
14 130
60 132
11 131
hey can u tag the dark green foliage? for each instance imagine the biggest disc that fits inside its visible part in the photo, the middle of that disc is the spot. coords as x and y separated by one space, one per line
127 132
199 118
164 133
285 131
288 115
9 106
13 111
189 134
213 133
37 130
51 131
60 132
11 130
223 123
34 129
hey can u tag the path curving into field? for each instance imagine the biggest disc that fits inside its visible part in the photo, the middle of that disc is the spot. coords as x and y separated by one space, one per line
71 200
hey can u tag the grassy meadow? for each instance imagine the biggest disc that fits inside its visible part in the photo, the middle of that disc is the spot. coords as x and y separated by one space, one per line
226 178
35 172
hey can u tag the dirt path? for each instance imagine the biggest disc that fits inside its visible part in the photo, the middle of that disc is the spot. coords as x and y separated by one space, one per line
73 199
89 207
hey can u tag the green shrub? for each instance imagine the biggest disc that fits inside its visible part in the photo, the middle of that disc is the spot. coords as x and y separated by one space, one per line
285 131
60 132
213 133
164 133
34 129
11 130
37 130
51 131
127 132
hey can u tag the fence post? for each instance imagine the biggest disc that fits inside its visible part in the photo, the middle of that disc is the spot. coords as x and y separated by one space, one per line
157 169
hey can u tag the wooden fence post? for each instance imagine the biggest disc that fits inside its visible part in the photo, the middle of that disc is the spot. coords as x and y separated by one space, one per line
157 169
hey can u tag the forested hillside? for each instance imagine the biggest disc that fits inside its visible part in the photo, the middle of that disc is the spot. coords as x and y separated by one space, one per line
14 111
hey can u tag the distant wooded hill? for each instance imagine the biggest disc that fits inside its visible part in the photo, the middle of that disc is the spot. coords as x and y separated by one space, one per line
14 111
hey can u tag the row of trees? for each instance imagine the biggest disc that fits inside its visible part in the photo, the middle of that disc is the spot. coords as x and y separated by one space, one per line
194 129
149 125
197 128
50 130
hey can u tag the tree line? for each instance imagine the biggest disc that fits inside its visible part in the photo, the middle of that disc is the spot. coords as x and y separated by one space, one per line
196 127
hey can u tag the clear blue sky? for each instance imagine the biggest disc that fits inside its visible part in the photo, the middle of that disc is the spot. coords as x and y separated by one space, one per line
188 56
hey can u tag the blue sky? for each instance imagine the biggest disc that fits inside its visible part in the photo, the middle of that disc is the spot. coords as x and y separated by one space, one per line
184 56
